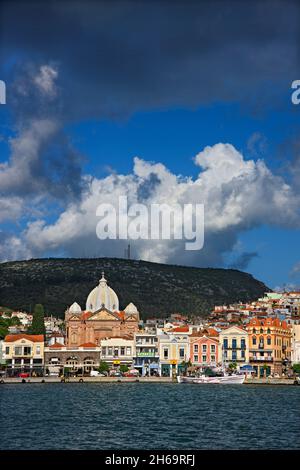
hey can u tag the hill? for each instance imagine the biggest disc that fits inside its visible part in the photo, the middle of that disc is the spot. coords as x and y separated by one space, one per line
156 289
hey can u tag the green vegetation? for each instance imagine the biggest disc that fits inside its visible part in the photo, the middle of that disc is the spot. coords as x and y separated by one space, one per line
103 367
156 289
38 326
124 368
296 368
5 323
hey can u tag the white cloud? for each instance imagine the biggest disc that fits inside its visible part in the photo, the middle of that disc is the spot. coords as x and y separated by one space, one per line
237 194
45 80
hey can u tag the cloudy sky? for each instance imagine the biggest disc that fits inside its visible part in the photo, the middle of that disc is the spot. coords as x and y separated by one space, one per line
178 102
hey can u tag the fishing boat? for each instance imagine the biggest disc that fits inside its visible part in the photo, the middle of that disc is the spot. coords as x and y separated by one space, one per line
202 379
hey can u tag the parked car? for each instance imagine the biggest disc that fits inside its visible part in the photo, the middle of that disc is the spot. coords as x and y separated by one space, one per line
115 373
24 375
96 373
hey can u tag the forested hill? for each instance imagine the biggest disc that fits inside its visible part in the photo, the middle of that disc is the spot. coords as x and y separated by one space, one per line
156 289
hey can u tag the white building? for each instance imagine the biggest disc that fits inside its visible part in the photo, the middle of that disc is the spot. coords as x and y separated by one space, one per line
295 352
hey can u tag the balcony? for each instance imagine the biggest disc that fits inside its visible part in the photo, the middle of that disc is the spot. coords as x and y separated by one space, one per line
261 359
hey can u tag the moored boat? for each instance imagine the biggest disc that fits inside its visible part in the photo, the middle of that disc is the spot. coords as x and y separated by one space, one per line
202 379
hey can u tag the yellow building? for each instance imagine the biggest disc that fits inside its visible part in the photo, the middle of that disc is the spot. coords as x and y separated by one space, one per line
24 354
173 349
269 346
234 346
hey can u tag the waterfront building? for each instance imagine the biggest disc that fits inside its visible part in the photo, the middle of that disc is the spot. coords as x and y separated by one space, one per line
2 360
80 360
295 353
174 353
118 351
269 346
204 351
24 353
101 319
146 353
234 346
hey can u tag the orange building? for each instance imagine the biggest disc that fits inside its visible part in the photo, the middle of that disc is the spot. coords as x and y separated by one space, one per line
269 345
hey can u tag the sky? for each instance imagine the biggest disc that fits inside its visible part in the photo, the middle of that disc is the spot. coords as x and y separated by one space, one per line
163 102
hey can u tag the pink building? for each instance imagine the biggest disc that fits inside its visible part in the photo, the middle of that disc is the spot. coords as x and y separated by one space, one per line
204 351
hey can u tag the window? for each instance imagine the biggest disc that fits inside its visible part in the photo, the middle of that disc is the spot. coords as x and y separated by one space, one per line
196 348
7 350
243 343
225 343
166 353
254 330
38 350
104 351
128 351
212 348
204 348
18 350
110 351
27 351
243 354
234 355
213 358
196 358
203 358
234 343
254 340
181 353
122 351
269 341
116 352
268 331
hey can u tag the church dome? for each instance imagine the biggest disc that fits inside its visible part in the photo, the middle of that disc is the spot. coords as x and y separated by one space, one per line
131 309
75 308
102 296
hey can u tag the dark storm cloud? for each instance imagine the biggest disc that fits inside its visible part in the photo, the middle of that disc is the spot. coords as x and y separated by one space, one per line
243 260
119 57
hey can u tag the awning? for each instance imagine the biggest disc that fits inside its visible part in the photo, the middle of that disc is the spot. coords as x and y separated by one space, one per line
247 367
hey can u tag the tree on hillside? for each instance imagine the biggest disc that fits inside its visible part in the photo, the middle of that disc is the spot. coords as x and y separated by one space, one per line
38 325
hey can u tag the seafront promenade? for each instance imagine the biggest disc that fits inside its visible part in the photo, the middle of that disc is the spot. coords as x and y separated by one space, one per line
36 380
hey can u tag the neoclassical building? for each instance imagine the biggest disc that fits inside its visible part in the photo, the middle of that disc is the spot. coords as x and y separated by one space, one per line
101 318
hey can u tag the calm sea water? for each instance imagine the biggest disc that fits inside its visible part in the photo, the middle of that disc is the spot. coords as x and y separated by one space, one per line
149 416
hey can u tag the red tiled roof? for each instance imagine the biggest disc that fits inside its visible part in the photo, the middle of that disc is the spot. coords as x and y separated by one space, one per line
56 346
33 338
86 315
180 329
88 345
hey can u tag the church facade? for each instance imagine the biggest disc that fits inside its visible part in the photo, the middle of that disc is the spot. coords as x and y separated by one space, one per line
101 319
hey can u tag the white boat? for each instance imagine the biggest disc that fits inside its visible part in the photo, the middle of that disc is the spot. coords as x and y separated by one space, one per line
202 379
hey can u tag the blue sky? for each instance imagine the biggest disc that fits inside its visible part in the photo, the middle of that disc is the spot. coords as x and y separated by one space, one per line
127 92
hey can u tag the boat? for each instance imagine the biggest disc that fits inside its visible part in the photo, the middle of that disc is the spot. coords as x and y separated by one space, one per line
202 379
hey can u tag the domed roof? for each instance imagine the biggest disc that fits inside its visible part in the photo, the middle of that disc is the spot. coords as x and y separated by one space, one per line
75 308
131 309
102 296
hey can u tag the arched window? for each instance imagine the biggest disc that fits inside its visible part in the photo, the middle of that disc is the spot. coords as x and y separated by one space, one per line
254 330
268 331
269 341
254 340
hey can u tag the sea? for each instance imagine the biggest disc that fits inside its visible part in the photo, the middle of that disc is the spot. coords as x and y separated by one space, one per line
116 416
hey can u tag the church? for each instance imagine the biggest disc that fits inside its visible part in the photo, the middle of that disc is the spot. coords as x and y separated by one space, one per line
101 318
